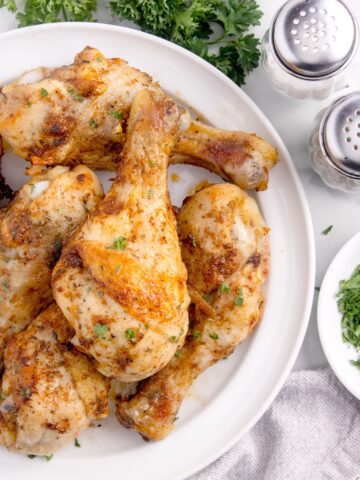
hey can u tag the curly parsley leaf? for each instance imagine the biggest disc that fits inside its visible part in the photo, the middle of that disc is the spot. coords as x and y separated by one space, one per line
193 20
237 17
34 12
192 24
9 4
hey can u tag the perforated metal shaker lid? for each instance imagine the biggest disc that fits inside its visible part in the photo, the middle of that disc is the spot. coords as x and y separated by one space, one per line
340 135
314 38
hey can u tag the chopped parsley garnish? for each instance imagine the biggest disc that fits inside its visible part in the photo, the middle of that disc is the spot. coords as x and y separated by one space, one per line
32 456
119 243
115 114
196 334
48 457
174 338
152 164
317 289
2 398
150 193
26 392
32 187
327 230
76 96
29 104
175 419
99 59
224 288
239 299
5 284
76 443
349 306
6 259
214 336
129 334
93 123
44 93
100 330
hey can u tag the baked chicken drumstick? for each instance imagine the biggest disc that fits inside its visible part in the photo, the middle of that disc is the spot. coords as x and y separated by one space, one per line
33 228
120 280
225 248
78 114
50 392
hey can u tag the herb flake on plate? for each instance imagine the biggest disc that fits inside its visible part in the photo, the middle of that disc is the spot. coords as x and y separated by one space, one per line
327 230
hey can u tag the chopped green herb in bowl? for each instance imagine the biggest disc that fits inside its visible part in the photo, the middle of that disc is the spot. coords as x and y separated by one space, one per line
349 306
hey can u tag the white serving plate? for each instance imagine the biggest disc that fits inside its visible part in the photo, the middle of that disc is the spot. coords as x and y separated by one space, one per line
338 353
229 398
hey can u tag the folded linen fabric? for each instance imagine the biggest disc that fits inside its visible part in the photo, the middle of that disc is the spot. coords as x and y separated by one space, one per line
311 431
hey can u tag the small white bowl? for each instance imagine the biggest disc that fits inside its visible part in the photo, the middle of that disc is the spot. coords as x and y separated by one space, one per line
339 353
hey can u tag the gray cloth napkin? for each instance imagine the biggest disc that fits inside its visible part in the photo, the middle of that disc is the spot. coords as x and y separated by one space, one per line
311 431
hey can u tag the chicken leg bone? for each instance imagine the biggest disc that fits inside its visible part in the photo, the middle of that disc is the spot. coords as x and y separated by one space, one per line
78 114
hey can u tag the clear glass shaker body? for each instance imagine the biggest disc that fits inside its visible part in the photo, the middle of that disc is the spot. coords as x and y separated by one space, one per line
296 86
310 46
335 143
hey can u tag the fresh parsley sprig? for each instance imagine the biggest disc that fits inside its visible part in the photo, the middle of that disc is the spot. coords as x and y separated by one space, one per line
34 12
198 25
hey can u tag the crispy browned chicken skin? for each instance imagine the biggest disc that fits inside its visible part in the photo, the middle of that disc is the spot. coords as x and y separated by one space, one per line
50 392
225 248
120 280
78 114
33 228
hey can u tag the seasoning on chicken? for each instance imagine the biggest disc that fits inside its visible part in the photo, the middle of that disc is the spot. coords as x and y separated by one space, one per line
226 251
33 228
120 280
78 114
50 392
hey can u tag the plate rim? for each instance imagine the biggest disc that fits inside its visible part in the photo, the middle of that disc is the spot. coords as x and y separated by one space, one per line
309 234
323 295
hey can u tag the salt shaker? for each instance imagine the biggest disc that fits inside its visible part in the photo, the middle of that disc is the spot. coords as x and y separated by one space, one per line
335 144
309 48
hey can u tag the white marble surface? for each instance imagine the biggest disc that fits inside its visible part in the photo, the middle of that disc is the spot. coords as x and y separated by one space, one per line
294 121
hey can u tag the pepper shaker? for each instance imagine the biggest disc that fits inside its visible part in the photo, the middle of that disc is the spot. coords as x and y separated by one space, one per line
309 48
335 145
